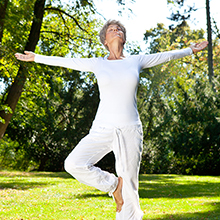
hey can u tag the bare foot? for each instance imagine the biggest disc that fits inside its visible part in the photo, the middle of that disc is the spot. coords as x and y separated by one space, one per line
118 195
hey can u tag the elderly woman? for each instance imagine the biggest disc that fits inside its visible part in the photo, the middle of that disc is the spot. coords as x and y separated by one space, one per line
117 126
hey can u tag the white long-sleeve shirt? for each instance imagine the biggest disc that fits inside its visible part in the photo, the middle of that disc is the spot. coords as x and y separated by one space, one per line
117 81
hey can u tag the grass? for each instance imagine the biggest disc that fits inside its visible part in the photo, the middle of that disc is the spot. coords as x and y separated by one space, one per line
57 196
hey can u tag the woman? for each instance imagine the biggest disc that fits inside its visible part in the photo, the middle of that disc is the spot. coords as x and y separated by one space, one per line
117 126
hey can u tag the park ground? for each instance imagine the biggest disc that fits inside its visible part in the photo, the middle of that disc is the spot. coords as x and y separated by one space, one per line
57 196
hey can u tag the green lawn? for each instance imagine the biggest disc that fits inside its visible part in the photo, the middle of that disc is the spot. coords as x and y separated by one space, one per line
57 196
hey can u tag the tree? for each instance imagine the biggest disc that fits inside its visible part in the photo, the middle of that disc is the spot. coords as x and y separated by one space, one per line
178 108
52 112
46 142
17 86
3 7
13 94
209 36
47 127
179 17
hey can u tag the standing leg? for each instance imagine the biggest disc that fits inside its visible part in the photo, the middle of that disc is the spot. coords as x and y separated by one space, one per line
91 149
128 149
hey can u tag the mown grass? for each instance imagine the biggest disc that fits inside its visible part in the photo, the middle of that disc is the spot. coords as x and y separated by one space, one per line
57 196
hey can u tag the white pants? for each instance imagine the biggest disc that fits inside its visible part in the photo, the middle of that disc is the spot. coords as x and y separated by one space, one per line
126 143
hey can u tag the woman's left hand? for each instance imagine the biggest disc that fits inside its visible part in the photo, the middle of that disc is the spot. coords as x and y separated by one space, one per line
199 46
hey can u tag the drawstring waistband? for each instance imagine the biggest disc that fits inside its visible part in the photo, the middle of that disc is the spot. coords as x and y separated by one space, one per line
119 148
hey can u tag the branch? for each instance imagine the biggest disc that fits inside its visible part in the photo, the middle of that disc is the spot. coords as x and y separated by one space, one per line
61 11
64 21
73 37
57 33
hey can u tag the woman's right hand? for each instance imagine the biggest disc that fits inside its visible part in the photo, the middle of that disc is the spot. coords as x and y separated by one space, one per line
28 56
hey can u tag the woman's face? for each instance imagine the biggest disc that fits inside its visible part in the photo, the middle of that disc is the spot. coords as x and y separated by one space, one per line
114 33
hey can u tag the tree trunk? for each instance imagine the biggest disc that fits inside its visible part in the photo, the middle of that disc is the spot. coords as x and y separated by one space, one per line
3 7
18 84
43 161
209 32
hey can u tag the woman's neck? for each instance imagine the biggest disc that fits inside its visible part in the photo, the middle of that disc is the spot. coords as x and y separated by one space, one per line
116 52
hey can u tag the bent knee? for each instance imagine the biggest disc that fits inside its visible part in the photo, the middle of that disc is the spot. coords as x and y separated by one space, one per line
69 165
74 166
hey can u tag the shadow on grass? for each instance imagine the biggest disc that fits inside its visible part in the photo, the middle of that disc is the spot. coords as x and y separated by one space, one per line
27 180
154 186
91 195
213 214
35 174
21 185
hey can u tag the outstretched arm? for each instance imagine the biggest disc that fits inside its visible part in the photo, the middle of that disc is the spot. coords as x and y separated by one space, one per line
199 46
147 61
28 56
81 64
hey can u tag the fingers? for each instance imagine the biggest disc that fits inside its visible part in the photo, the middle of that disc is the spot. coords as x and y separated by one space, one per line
203 45
27 56
27 52
18 56
199 46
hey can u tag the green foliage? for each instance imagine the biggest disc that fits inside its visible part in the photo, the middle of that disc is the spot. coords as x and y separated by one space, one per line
52 124
57 105
179 109
196 130
16 29
5 108
52 114
13 156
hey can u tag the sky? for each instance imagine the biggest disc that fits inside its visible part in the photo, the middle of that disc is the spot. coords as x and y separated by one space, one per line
147 13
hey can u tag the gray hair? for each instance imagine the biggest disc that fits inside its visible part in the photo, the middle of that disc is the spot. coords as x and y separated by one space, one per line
102 33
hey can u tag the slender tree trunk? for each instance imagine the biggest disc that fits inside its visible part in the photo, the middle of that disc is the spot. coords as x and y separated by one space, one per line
18 84
3 7
209 32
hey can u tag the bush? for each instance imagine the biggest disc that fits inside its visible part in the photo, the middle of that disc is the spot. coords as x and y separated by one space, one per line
13 157
186 138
